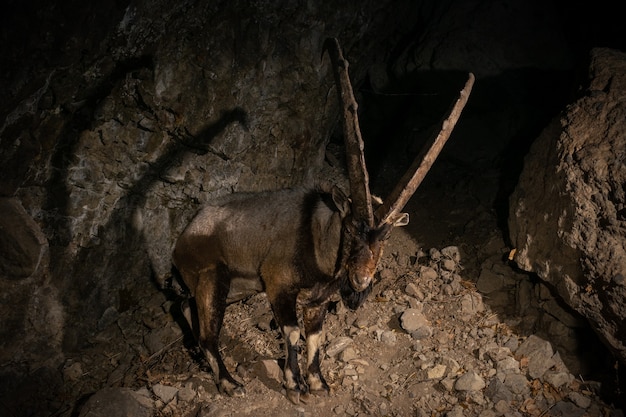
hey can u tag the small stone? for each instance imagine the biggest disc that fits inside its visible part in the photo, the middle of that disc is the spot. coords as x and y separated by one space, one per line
73 372
436 372
452 365
361 322
498 353
517 383
348 354
540 355
503 406
186 394
497 391
413 319
557 379
109 316
434 254
508 365
427 273
448 384
422 333
579 399
452 253
337 345
414 291
471 304
164 392
388 337
448 265
457 411
469 381
271 369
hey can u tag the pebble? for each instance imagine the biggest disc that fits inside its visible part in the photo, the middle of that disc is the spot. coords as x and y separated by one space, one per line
338 345
448 265
579 399
73 372
414 291
186 394
348 354
508 365
271 369
412 319
517 383
388 337
427 273
436 372
164 392
422 333
469 381
452 253
540 351
471 304
557 379
497 391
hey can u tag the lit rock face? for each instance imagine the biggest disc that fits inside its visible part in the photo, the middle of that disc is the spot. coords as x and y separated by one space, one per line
568 213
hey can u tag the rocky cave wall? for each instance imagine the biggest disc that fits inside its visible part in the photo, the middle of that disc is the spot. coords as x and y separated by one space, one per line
121 119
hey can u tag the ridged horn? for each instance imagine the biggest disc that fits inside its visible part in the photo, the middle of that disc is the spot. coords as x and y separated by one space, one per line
355 159
414 176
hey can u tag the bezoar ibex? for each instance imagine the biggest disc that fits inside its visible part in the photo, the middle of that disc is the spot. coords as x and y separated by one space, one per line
296 245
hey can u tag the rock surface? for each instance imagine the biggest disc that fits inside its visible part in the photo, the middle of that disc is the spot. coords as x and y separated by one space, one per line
568 213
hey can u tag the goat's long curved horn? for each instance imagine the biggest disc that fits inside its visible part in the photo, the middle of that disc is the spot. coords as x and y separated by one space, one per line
355 159
414 176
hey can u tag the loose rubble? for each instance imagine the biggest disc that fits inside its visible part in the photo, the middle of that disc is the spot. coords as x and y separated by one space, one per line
424 344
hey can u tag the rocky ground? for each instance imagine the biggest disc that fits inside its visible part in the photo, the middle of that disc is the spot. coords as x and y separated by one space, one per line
426 343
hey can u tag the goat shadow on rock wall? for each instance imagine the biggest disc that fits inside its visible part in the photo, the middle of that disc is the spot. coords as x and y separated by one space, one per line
119 238
98 272
117 251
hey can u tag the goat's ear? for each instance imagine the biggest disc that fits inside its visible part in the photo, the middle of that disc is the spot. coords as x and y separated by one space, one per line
401 219
341 201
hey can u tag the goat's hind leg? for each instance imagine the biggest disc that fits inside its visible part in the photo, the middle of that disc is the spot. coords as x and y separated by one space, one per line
211 293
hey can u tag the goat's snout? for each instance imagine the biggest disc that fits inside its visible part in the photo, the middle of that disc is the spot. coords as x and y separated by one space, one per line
362 267
360 282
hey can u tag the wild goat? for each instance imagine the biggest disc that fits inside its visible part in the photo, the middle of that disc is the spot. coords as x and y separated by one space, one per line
295 244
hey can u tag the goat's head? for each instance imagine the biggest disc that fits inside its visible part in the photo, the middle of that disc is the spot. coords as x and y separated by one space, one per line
362 244
365 248
366 229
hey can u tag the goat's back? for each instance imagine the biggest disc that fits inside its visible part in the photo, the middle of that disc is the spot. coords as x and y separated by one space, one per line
243 230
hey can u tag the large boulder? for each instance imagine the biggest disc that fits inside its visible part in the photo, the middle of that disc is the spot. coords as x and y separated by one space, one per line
568 213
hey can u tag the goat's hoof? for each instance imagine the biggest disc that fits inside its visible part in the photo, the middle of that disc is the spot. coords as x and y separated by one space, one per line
318 387
323 392
232 389
296 396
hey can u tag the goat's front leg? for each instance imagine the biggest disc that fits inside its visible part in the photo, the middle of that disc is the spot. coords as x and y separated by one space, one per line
313 323
284 307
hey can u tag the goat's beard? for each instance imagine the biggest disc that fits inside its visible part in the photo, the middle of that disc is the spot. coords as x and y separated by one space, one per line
351 298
